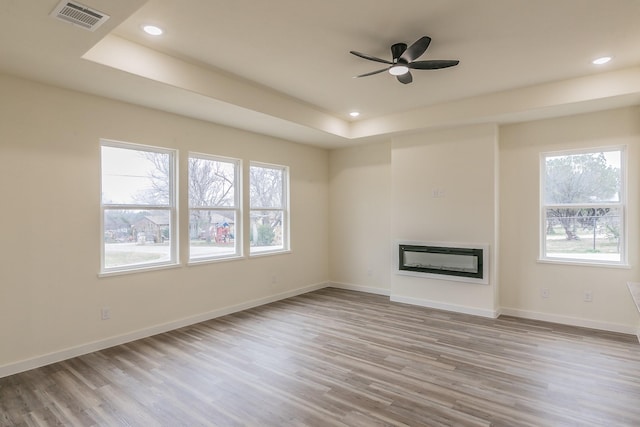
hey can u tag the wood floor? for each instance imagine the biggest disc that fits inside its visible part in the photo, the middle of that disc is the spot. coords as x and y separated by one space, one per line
341 358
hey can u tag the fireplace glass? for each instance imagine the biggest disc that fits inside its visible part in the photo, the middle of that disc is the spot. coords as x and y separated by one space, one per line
463 262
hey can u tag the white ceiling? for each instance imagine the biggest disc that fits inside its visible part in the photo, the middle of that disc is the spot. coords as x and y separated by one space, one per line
283 67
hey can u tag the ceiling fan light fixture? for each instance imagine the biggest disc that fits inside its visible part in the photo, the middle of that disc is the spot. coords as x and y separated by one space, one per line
398 70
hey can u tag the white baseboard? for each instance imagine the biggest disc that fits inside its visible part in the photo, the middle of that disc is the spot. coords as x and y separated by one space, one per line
58 356
417 301
359 288
572 321
448 307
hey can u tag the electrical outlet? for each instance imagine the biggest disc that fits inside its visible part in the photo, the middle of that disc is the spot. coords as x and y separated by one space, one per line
105 313
545 292
588 296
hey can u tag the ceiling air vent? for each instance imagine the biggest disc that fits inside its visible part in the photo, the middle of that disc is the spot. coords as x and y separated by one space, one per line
79 14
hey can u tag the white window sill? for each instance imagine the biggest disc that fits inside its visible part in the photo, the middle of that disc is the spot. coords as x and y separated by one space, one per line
269 253
581 263
203 261
135 270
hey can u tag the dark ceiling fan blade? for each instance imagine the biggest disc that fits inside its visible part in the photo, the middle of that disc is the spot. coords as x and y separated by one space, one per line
371 73
405 78
416 50
433 64
369 57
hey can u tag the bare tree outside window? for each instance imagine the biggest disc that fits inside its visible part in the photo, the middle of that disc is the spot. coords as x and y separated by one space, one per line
269 214
214 214
138 207
158 173
583 206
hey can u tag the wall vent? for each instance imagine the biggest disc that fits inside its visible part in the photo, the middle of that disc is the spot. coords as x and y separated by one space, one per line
79 14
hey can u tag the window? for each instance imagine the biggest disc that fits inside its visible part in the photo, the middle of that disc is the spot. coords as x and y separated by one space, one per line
269 214
138 207
583 206
214 208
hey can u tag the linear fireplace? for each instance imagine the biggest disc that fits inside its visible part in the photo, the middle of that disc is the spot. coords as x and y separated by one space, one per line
443 261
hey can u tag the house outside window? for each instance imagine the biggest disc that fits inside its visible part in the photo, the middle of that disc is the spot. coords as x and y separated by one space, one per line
215 218
138 207
269 208
583 206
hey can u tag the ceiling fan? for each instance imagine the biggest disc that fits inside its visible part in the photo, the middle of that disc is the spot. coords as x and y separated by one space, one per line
404 59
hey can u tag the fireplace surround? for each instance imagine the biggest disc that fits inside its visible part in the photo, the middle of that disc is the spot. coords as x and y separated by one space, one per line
445 261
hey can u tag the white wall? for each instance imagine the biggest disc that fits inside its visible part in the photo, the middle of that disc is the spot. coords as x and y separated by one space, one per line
50 293
360 190
521 276
460 165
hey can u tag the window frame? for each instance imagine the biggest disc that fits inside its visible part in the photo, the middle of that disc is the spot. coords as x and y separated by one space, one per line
171 207
284 209
621 205
237 209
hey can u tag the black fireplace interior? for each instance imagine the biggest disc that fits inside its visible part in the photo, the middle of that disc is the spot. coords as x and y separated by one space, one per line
463 262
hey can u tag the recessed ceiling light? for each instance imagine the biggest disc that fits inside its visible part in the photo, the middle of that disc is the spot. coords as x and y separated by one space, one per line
152 30
354 114
602 60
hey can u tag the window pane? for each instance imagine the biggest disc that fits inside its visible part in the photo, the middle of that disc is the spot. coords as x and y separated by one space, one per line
266 232
266 187
211 183
135 177
583 178
589 234
136 237
212 233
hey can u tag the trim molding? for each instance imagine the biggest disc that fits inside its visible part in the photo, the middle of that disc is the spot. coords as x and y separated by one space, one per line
68 353
448 307
359 288
573 321
58 356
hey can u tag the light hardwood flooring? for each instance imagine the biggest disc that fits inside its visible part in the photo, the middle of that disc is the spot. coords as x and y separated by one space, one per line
341 358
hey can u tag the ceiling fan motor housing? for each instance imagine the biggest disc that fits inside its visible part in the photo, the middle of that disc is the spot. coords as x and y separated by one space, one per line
397 50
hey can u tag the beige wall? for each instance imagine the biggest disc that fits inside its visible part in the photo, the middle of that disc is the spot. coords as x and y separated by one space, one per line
503 201
348 208
460 166
50 293
360 190
521 276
